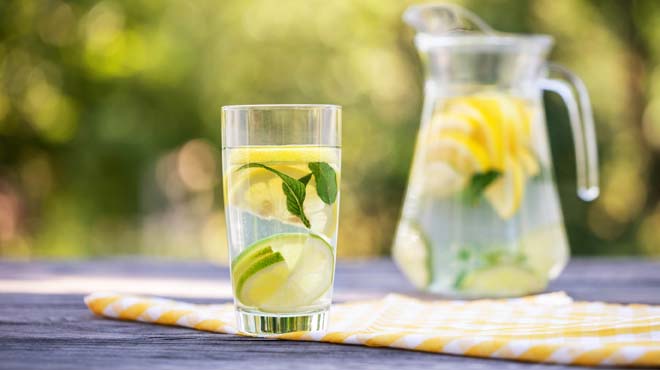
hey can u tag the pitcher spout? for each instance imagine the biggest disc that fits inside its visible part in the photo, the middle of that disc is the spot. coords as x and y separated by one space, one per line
442 19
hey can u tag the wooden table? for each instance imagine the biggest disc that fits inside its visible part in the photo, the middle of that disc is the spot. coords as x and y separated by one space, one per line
45 325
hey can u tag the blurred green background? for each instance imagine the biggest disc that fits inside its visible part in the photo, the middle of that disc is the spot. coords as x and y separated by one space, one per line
110 115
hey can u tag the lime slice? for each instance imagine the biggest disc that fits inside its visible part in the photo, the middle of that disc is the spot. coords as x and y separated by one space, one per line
412 253
302 276
248 257
546 250
261 279
502 281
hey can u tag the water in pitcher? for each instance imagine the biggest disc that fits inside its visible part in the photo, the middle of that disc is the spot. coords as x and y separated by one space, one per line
481 214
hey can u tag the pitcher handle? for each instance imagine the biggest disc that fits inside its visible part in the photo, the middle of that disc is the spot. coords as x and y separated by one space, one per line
582 126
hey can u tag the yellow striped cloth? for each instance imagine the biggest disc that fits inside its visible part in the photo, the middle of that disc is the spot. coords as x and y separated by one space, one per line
548 328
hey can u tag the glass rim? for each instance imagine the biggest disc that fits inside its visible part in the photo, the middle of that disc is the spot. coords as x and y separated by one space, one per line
281 106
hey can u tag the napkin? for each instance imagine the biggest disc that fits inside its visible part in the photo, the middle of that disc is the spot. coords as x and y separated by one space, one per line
546 328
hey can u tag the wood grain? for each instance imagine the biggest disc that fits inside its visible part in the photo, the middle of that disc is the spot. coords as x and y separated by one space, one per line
55 331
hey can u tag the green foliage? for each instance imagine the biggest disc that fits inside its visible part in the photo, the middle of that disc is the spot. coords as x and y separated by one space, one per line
109 115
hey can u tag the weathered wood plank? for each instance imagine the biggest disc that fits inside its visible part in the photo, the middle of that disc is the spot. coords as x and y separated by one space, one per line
57 332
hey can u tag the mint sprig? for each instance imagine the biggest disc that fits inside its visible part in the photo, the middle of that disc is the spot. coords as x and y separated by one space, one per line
326 181
295 189
305 179
478 184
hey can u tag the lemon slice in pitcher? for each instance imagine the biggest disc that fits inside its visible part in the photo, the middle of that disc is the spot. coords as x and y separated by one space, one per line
529 162
295 272
502 123
459 150
506 193
484 112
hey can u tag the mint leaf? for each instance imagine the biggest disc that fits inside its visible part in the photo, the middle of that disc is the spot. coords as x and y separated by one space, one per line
295 197
326 181
478 185
305 179
464 254
293 189
459 278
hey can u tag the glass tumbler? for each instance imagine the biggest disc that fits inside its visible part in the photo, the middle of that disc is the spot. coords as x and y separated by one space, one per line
281 171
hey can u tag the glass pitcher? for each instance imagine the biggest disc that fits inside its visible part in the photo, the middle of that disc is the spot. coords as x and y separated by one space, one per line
481 216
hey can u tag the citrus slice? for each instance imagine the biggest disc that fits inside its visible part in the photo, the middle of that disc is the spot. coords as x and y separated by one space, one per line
260 280
526 114
283 154
546 250
247 258
513 123
302 276
459 150
478 133
502 123
412 254
506 193
442 180
502 281
529 162
453 121
485 113
259 192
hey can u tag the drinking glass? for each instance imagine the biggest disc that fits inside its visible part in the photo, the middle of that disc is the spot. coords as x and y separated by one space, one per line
281 170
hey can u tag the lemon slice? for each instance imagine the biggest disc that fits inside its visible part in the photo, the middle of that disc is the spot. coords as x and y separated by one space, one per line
478 133
506 193
484 112
442 180
259 192
529 162
460 151
526 114
513 123
412 254
283 154
502 123
454 121
297 272
502 281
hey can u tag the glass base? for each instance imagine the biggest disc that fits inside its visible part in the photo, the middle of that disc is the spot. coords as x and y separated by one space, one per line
264 324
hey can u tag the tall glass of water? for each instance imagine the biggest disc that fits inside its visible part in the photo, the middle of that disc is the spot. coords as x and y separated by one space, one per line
281 170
